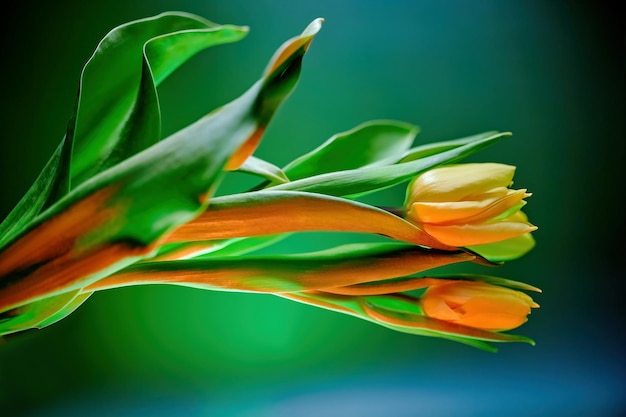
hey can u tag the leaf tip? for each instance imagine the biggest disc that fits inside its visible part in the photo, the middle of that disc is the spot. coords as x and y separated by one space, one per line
314 27
296 46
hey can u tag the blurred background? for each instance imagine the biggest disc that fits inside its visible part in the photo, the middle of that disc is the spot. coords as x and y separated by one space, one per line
550 72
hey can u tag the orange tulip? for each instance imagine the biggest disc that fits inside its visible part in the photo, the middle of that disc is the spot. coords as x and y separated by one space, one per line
467 204
477 304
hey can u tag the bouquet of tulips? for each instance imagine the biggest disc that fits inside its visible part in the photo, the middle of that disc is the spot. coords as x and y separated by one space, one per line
118 204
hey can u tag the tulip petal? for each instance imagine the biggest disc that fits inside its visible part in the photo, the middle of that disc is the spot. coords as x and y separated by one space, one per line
456 182
482 209
477 234
477 304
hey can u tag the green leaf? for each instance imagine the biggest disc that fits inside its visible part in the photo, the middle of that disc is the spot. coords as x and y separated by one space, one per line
120 216
434 148
489 279
31 315
287 273
205 249
242 246
271 212
264 169
69 308
117 112
368 179
117 109
411 283
374 143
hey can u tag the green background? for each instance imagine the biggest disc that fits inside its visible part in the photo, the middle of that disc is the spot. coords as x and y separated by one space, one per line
550 72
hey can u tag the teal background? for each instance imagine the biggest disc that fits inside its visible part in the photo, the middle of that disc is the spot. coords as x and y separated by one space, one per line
550 72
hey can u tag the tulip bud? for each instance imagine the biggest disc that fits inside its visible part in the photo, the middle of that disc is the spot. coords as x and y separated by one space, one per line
467 204
477 304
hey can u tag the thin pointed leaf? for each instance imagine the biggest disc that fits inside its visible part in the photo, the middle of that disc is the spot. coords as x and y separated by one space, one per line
368 179
69 308
410 283
388 286
242 246
206 249
434 148
30 316
121 215
264 169
287 273
264 212
489 279
374 143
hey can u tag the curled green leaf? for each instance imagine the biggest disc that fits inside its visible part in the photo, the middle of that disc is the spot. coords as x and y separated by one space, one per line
121 215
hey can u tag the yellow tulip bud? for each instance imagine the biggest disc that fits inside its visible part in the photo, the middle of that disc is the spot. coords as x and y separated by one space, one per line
467 204
477 304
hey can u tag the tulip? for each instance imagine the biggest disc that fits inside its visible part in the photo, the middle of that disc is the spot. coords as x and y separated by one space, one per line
477 304
467 204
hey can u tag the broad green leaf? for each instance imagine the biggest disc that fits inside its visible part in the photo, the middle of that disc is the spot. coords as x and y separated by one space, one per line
117 103
117 112
272 212
286 273
368 179
121 215
429 149
264 169
374 143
